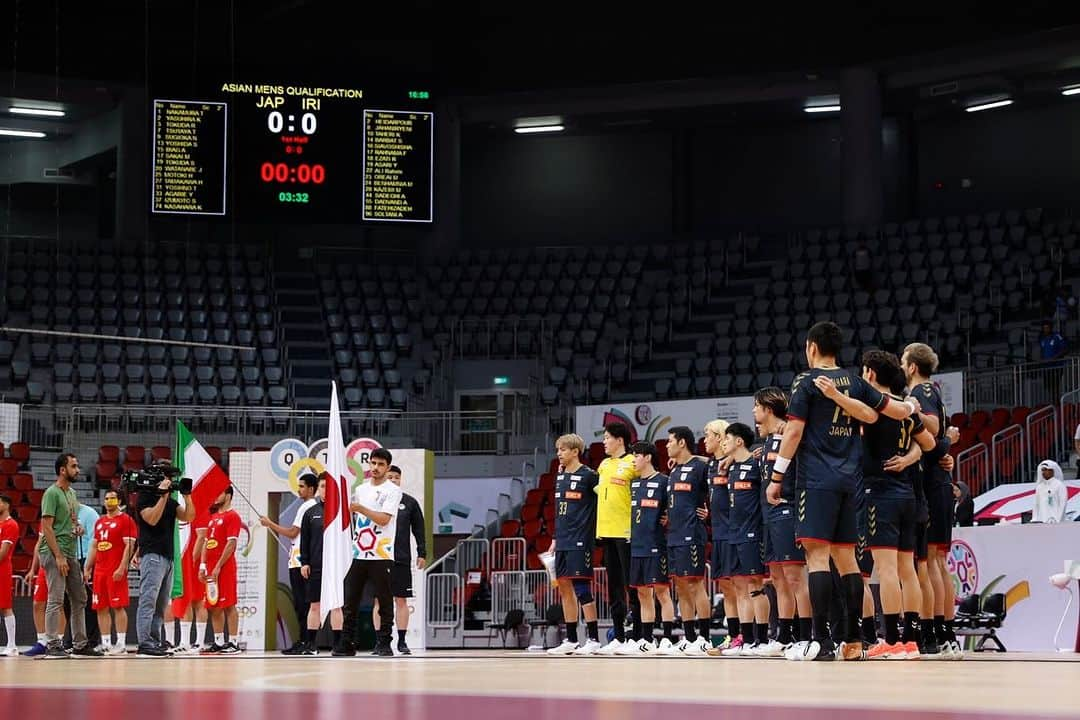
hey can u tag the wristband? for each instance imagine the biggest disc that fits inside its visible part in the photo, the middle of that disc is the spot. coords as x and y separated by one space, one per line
202 567
781 465
914 408
776 479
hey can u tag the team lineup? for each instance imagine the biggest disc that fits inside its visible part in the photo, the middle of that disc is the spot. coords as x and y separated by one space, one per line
845 478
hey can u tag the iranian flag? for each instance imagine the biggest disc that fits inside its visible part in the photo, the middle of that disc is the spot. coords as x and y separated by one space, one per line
337 520
208 481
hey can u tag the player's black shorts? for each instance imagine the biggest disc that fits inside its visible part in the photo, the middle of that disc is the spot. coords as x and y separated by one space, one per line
749 558
939 499
780 528
890 523
648 571
827 516
314 585
401 580
686 561
573 564
721 559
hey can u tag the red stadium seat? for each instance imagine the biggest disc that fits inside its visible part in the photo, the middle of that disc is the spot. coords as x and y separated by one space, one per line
598 557
5 482
20 564
160 452
33 497
553 466
536 496
8 466
979 420
532 562
26 513
547 482
530 513
542 543
27 545
215 452
109 453
19 452
510 528
595 455
960 420
134 457
1019 415
531 529
1 449
999 418
23 482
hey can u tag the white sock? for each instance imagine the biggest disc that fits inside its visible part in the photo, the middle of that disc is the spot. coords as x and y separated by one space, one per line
9 625
41 638
200 633
185 633
121 639
219 638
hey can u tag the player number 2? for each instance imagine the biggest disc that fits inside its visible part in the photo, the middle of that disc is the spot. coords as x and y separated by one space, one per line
637 517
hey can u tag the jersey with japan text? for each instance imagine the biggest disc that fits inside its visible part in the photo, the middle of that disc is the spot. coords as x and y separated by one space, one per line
648 503
688 490
830 454
744 479
719 499
769 453
884 440
575 509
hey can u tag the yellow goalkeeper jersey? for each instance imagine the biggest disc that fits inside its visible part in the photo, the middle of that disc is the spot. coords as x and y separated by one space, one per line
613 497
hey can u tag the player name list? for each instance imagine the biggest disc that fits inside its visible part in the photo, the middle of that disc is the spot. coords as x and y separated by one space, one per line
189 157
397 165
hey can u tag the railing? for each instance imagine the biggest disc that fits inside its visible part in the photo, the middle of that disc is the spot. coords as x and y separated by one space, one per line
1043 439
507 593
540 594
87 427
508 553
1069 407
973 467
1030 384
499 338
445 601
600 592
1007 457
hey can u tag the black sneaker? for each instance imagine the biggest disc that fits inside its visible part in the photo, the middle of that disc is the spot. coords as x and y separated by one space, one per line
296 649
383 651
403 649
211 649
87 651
56 653
344 649
151 650
229 648
309 649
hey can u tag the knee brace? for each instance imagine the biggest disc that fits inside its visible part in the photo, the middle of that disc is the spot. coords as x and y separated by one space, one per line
583 591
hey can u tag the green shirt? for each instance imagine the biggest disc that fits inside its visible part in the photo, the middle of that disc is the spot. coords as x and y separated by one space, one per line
61 506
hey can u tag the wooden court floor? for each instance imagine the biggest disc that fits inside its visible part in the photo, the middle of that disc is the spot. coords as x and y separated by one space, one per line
515 684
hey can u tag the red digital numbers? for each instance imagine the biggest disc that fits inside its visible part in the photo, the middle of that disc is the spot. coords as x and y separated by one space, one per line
284 173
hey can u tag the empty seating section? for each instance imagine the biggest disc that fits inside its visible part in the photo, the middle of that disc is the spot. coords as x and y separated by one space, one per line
17 483
202 293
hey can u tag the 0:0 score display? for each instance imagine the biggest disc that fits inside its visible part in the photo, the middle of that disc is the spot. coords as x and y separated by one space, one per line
284 173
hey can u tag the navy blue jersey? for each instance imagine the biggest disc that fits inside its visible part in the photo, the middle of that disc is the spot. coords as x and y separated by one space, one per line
575 508
830 454
648 503
882 441
688 490
744 479
769 453
929 397
719 500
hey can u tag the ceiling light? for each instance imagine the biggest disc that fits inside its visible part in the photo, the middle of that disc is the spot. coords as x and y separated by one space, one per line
1074 90
988 106
21 133
42 112
539 129
822 108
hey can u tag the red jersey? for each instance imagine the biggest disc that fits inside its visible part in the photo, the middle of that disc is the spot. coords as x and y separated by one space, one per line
9 533
109 536
222 528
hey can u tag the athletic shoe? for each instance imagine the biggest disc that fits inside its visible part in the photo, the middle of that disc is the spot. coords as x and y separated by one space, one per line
630 648
309 649
680 647
911 650
851 651
884 651
55 653
384 651
957 651
667 648
9 652
698 648
612 648
211 649
296 649
591 647
641 648
749 650
769 649
116 650
151 650
735 648
185 649
814 651
87 651
796 650
403 649
36 650
726 644
230 648
344 649
566 648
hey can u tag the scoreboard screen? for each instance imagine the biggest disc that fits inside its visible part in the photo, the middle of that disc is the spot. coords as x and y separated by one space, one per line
294 153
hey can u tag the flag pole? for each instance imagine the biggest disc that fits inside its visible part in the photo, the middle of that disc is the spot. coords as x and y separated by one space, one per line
259 514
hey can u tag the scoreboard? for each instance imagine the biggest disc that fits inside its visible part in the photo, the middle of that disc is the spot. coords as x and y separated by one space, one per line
294 153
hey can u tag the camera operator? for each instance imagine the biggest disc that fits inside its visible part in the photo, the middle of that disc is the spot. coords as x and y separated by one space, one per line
156 520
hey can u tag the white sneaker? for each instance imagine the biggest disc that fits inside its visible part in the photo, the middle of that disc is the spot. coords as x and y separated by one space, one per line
957 651
641 648
945 651
9 652
698 648
185 649
591 647
749 650
611 649
769 649
116 650
666 647
680 647
567 647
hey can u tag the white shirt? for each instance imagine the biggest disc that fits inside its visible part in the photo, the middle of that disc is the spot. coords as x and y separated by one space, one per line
1077 435
294 551
371 541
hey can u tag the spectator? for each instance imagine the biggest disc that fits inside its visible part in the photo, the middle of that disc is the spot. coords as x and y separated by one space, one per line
1050 493
965 504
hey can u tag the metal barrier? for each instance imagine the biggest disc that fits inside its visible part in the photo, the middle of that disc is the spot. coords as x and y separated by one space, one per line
445 600
1024 384
20 588
508 553
507 593
600 592
1007 456
87 427
540 594
1043 439
973 468
473 554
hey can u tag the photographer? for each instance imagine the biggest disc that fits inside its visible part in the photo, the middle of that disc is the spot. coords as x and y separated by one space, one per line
156 519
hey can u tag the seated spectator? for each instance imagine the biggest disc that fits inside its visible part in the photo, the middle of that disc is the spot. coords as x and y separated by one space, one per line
965 505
